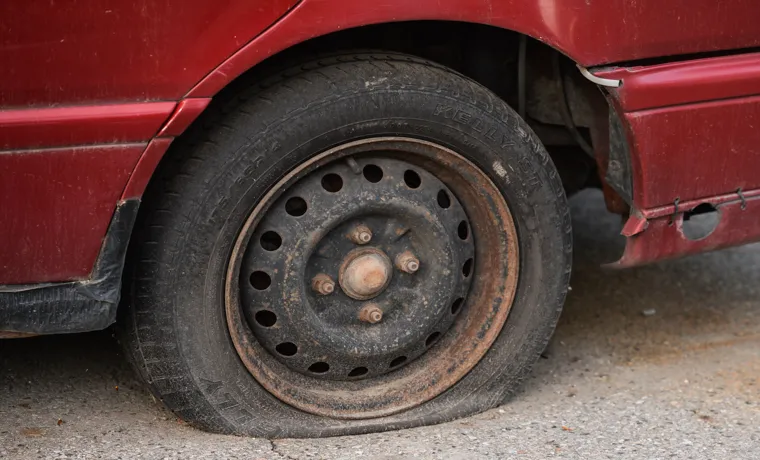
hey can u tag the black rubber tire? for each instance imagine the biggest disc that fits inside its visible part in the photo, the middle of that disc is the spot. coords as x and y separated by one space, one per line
174 328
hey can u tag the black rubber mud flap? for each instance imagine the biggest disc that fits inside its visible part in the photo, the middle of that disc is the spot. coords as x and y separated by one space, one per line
78 306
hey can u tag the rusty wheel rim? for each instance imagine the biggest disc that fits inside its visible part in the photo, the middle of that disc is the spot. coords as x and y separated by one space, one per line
467 320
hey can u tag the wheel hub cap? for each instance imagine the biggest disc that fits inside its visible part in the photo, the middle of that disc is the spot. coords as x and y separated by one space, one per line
365 273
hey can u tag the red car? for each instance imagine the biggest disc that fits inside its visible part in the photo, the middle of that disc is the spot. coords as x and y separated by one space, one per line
323 217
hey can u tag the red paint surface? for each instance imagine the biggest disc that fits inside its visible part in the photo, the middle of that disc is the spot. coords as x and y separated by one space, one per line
112 50
95 51
694 151
78 125
145 167
590 32
687 81
664 241
187 110
57 205
635 224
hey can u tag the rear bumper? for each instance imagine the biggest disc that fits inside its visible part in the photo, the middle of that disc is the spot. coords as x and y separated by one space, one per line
693 135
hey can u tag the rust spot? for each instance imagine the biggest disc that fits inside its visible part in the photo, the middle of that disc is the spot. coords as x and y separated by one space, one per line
371 314
323 284
364 273
407 262
361 234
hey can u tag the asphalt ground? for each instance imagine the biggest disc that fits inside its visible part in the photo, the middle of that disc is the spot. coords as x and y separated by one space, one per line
661 361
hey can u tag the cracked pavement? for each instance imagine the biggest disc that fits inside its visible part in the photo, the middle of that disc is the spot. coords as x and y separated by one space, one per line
683 382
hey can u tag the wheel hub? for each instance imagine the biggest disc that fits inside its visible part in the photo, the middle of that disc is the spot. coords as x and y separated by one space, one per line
365 272
409 318
369 234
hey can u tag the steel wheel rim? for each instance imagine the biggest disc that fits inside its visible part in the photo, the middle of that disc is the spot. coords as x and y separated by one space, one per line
458 349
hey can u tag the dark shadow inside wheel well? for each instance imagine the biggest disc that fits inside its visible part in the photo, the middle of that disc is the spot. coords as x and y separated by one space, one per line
517 68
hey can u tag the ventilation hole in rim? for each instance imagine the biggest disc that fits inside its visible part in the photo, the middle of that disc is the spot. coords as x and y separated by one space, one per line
463 230
467 268
295 206
260 280
456 306
266 318
287 348
357 371
373 173
443 199
432 338
332 182
270 241
412 179
320 367
398 361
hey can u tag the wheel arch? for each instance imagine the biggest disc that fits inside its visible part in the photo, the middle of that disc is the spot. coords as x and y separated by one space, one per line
286 36
481 47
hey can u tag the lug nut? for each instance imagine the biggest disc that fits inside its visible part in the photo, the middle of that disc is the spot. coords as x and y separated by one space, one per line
407 262
371 314
361 234
323 284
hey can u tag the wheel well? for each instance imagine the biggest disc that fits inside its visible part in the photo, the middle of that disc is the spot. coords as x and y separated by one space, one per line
487 54
522 71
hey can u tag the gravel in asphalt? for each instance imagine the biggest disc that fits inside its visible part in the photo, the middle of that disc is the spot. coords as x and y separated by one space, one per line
655 362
